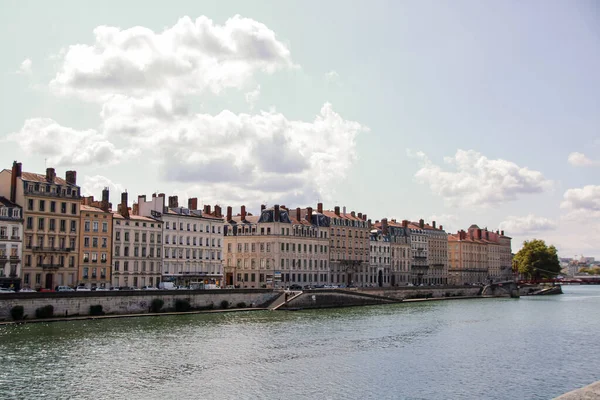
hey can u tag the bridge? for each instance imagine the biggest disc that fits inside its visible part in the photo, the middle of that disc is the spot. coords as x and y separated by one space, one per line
577 280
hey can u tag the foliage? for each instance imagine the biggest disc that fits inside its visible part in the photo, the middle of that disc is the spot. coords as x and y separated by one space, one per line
45 312
224 304
156 305
536 260
17 313
590 271
182 305
96 310
241 304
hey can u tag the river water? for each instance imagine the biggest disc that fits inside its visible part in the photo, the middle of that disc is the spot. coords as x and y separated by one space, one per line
528 348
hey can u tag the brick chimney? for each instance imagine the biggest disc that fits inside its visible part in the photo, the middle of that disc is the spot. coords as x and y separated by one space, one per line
276 213
218 211
104 204
193 203
136 209
50 175
337 210
173 202
309 212
207 209
123 207
320 208
433 224
298 214
243 214
502 233
353 214
229 211
405 223
441 227
364 217
479 234
71 177
369 223
384 226
360 216
421 223
16 173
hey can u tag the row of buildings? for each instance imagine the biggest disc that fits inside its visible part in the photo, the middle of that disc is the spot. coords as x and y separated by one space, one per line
51 235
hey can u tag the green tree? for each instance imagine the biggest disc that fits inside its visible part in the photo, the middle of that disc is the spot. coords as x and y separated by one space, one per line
536 260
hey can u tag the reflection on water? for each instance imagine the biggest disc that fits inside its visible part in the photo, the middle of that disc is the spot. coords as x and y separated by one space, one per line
532 348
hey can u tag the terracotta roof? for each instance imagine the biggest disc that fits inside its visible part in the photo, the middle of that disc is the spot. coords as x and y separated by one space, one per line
33 177
332 214
90 208
301 222
132 217
251 219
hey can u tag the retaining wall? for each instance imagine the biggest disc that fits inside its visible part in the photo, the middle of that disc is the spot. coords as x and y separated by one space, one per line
134 302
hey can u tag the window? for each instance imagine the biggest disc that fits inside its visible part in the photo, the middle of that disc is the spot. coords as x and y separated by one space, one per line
73 226
86 242
63 207
74 209
117 265
52 206
95 242
29 222
127 236
42 205
52 224
104 242
41 223
30 204
63 225
105 227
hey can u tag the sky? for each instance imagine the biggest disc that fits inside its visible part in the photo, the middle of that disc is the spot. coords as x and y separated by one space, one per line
461 112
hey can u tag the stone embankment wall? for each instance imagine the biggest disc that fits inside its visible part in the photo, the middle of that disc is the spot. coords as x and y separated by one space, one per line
325 298
134 302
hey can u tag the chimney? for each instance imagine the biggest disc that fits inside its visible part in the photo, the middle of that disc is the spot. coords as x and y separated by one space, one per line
263 207
123 206
243 214
309 211
353 214
207 209
421 223
502 233
298 214
479 234
71 177
364 217
50 175
487 235
136 209
104 204
218 211
16 173
384 226
441 227
337 210
405 223
173 202
369 223
320 208
360 216
433 224
142 198
344 210
193 203
276 213
153 195
161 195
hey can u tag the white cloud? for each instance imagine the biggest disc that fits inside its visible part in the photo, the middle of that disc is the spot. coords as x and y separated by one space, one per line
64 146
262 153
580 160
332 77
586 199
93 186
189 57
514 225
477 180
253 96
25 67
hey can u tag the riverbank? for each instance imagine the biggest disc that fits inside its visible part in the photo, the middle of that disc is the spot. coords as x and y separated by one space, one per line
589 392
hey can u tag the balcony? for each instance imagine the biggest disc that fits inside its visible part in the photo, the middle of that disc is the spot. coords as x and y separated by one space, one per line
103 261
42 249
52 266
3 258
95 261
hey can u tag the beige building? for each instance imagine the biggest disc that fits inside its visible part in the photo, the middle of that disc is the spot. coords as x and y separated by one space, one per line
380 258
349 249
51 214
400 250
192 240
419 243
437 256
11 243
137 248
277 248
95 238
478 256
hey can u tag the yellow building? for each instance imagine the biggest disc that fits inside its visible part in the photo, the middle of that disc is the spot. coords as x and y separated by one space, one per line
51 208
95 238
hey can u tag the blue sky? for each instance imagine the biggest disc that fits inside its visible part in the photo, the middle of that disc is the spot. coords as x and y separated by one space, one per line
463 112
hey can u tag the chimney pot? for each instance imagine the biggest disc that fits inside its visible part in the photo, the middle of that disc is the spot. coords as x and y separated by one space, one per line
320 208
309 212
441 227
276 213
229 211
421 223
337 210
50 175
124 210
502 233
71 177
433 224
243 214
298 214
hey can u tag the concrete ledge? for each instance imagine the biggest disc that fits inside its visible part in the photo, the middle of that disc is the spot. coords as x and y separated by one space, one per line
590 392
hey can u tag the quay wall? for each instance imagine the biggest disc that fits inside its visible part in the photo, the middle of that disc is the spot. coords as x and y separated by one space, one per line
413 292
130 302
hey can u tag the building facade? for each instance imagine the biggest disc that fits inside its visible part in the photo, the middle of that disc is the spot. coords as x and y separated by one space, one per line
137 248
51 208
349 246
279 248
437 254
380 256
420 250
400 250
11 243
96 247
192 240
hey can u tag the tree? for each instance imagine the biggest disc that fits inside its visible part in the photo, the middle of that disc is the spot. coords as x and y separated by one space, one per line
537 260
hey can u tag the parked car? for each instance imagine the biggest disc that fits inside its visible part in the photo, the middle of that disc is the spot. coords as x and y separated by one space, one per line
295 287
26 290
101 289
63 289
229 287
83 289
6 290
149 288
